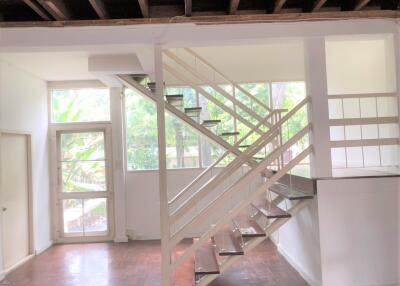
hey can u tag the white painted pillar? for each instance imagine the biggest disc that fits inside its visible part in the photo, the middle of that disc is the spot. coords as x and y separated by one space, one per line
396 47
162 167
317 89
118 164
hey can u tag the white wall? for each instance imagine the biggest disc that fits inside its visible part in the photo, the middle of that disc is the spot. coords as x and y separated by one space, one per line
360 64
298 242
23 107
359 231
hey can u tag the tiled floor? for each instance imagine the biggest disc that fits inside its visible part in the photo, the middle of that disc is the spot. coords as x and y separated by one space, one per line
138 263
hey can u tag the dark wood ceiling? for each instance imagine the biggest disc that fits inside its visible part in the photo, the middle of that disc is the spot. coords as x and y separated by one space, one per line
69 10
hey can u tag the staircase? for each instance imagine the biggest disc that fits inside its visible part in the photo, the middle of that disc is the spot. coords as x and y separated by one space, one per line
234 208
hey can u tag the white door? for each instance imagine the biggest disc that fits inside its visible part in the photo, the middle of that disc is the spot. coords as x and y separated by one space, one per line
84 185
14 198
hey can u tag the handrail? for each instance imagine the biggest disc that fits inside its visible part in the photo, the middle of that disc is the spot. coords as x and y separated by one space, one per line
199 177
216 87
204 61
235 164
233 212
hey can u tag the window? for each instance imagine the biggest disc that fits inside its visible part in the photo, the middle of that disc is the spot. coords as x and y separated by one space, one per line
80 105
186 148
141 132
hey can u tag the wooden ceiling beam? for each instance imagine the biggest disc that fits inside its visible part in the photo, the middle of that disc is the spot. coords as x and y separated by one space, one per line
361 4
233 6
144 7
38 9
100 8
278 5
188 8
317 5
217 19
57 9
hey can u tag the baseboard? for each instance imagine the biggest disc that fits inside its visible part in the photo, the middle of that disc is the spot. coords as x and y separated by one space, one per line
298 268
121 239
133 235
44 248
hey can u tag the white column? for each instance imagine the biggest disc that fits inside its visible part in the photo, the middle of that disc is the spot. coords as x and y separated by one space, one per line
317 89
118 164
162 166
396 44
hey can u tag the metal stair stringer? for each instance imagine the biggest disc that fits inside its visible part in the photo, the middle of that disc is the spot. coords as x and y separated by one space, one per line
131 83
251 244
210 209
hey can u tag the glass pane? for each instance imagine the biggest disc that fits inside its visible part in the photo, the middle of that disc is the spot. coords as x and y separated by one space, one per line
85 217
73 213
335 108
80 105
351 108
337 133
354 157
387 106
95 216
141 132
287 94
82 146
84 176
371 156
182 144
259 90
338 157
369 131
390 155
389 130
353 132
368 107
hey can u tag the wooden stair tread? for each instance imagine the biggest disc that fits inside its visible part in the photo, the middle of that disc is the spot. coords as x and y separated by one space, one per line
258 158
227 242
210 122
289 193
229 133
205 261
175 99
244 146
270 210
248 227
193 111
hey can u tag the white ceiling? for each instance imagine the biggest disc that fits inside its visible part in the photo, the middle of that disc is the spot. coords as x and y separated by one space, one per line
72 65
52 66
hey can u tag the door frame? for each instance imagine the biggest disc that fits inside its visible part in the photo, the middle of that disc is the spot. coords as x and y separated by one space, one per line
56 208
31 248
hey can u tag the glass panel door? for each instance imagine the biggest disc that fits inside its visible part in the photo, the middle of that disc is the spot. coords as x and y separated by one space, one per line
84 192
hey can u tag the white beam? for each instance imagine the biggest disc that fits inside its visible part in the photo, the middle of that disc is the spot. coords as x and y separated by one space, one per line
118 164
318 112
162 169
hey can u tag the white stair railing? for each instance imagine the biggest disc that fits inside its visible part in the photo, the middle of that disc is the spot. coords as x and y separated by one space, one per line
131 83
212 167
233 166
241 184
189 82
215 71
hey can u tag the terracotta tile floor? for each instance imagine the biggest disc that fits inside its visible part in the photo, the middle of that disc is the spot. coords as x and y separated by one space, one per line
138 263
